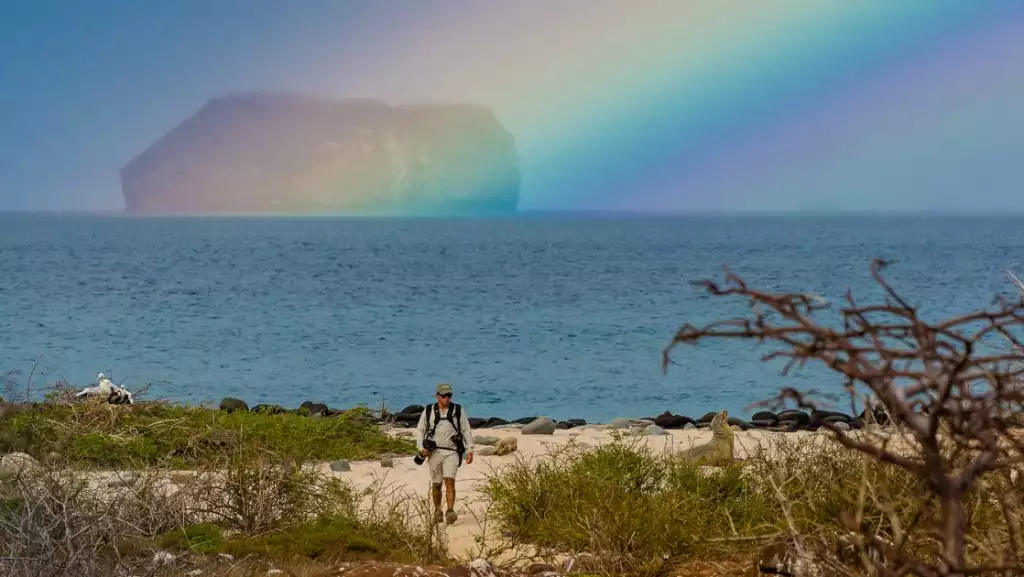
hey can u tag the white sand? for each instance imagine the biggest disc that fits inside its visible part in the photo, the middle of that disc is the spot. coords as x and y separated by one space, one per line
470 504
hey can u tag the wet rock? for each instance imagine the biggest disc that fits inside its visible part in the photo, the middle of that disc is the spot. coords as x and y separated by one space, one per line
231 404
667 420
525 420
706 419
576 422
763 424
412 409
796 416
496 422
764 416
540 426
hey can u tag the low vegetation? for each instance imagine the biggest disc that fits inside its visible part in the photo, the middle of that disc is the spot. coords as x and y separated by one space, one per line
98 435
251 507
642 512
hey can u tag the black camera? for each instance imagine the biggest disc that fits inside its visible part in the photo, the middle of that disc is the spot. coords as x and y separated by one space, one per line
430 446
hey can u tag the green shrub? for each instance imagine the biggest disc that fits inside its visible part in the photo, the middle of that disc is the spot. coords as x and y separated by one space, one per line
101 435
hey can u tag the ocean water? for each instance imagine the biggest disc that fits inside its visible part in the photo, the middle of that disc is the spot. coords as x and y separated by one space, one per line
550 315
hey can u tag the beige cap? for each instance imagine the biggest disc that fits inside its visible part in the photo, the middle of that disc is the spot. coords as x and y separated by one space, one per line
444 389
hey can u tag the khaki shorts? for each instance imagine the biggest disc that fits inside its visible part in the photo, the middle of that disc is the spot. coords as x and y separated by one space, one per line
443 465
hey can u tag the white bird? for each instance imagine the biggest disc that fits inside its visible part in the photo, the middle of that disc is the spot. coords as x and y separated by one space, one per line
106 388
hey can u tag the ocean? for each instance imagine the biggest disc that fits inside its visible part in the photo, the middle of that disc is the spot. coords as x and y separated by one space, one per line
541 315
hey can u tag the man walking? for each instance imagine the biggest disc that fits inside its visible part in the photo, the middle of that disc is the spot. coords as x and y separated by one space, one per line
444 438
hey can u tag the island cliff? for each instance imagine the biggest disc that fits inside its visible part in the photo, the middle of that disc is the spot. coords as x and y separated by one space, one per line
261 153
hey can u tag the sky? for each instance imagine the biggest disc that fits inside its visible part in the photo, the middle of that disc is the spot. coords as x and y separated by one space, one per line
639 105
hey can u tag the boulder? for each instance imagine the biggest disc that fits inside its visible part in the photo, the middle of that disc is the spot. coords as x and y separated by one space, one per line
764 424
312 409
654 431
764 416
562 426
231 404
667 420
540 426
576 422
485 440
524 420
495 422
476 422
796 416
506 446
819 417
413 410
707 417
743 425
485 451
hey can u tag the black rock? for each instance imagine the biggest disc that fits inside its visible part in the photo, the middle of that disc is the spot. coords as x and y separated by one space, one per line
408 419
576 422
764 416
837 419
707 417
562 425
795 416
760 424
667 420
476 422
733 421
231 404
791 426
525 420
819 417
496 422
413 409
269 409
313 409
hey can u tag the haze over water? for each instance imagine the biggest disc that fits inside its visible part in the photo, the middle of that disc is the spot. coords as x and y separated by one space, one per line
524 316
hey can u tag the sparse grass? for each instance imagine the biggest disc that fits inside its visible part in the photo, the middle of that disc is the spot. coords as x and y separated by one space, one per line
639 510
99 435
252 504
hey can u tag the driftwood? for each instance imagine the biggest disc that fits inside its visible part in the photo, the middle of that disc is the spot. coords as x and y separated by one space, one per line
952 387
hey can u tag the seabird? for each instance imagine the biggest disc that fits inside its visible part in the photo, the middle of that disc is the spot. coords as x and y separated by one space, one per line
106 388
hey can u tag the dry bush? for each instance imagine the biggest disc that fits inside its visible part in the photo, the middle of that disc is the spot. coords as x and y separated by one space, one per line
952 391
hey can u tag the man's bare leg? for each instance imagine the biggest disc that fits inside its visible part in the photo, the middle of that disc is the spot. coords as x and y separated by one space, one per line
449 495
435 494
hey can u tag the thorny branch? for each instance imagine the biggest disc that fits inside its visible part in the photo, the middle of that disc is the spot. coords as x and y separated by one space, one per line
952 387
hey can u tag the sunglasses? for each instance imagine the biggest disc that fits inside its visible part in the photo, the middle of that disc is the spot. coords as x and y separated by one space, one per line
446 396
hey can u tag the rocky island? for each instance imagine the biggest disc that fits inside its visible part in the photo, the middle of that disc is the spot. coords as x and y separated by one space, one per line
272 153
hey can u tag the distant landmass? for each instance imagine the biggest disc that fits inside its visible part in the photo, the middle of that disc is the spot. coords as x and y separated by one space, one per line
269 153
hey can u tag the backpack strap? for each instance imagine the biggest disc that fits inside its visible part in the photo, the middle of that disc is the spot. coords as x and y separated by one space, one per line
455 417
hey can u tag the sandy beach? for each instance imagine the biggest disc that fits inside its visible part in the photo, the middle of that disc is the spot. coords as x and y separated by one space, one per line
471 505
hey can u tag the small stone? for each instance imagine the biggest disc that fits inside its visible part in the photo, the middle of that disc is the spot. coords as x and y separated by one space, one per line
653 431
341 466
387 462
542 426
484 440
485 451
